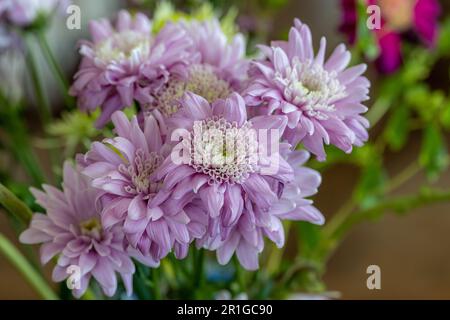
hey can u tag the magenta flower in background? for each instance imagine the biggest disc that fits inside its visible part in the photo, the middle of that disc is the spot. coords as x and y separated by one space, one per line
123 169
217 66
23 13
126 63
321 99
223 172
72 231
399 17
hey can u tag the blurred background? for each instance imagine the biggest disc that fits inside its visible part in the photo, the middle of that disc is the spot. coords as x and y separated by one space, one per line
413 250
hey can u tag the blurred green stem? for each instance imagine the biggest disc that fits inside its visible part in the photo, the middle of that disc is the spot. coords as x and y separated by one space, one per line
240 277
378 110
406 174
18 142
89 295
398 205
41 97
14 205
156 284
276 254
349 207
198 267
55 67
24 267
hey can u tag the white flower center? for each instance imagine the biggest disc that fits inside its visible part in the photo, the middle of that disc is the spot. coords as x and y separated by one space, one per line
139 173
124 45
202 80
312 88
223 151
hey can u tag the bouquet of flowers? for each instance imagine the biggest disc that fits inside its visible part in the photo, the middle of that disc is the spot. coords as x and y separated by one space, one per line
191 154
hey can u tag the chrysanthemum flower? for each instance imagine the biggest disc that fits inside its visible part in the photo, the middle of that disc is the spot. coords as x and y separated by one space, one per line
126 63
322 100
246 237
23 13
220 161
399 17
123 168
217 66
72 231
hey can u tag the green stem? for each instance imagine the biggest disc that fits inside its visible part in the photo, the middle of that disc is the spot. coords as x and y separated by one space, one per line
398 205
14 205
240 278
406 174
41 98
276 254
378 110
55 67
28 272
348 208
21 147
156 285
89 295
339 217
198 268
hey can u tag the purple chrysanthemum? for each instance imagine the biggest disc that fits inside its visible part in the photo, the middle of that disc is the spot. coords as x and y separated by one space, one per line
217 66
126 63
72 230
246 237
123 168
223 163
322 100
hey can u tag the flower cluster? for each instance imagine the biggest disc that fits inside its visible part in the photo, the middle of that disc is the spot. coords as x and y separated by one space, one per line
213 158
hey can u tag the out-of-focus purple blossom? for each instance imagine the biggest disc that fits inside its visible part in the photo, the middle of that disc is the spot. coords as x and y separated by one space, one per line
399 17
72 231
322 99
123 169
23 13
216 67
126 63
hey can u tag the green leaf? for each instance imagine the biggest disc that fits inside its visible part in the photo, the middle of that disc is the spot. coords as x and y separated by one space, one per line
433 154
397 129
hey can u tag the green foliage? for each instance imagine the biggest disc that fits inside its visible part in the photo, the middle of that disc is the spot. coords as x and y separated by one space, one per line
75 129
166 12
444 38
370 188
445 115
397 128
433 154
